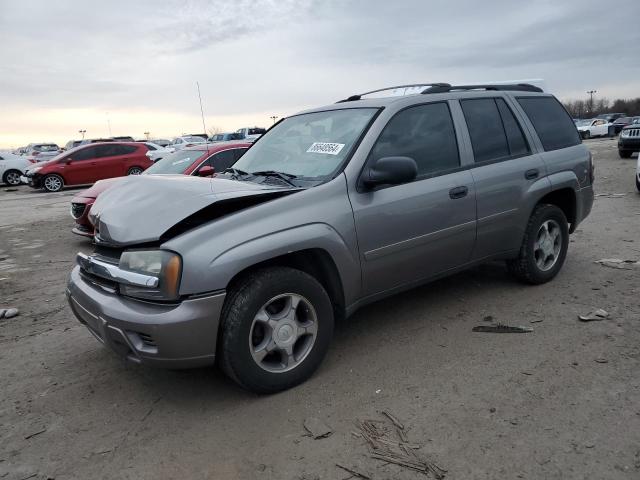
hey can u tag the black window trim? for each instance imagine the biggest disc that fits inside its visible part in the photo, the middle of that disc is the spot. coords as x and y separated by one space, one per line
515 118
360 188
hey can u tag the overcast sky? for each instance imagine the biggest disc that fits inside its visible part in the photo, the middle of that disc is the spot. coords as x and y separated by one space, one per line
65 63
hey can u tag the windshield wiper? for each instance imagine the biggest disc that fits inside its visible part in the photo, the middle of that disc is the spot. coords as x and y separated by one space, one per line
235 173
286 177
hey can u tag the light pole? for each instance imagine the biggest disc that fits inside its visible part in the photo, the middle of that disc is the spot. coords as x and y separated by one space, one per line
591 92
82 132
146 134
109 124
274 118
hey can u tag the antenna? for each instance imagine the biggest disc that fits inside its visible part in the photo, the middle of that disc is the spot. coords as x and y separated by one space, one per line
206 136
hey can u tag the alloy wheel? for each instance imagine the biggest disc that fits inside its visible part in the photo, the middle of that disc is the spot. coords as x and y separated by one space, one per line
548 244
53 184
135 171
283 333
13 178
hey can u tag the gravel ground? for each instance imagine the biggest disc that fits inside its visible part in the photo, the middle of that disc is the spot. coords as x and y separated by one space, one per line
558 403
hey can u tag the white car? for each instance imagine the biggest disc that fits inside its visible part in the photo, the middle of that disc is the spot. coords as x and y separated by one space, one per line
12 167
251 134
41 152
156 152
594 127
184 141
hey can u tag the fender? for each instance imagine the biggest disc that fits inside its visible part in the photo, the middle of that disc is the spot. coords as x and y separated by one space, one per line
310 236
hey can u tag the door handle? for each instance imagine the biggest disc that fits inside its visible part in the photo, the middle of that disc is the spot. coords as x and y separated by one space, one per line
458 192
531 174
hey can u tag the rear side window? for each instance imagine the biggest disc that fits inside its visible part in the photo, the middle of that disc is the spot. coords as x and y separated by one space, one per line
424 133
488 138
515 138
551 121
125 149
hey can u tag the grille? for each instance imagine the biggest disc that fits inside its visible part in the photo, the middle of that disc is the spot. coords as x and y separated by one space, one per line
632 132
77 209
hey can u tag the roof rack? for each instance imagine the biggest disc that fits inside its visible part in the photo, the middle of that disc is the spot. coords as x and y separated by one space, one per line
519 87
359 96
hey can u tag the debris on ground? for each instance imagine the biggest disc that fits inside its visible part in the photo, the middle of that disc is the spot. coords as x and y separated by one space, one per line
602 360
353 472
618 263
383 446
594 316
9 312
611 195
317 428
500 328
31 435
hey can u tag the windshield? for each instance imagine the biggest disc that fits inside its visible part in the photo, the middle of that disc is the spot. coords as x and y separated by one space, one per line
193 139
623 120
583 123
311 146
176 162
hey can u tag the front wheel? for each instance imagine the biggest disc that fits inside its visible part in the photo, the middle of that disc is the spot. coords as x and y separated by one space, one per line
276 327
544 247
134 171
11 177
53 183
586 135
624 153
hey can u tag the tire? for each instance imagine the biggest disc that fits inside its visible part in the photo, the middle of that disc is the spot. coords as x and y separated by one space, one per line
250 327
534 264
53 183
135 171
11 177
586 135
624 153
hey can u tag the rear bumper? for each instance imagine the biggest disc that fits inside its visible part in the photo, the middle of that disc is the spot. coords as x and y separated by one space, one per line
584 203
181 335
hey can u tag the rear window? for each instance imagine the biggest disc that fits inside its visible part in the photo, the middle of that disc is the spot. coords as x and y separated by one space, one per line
46 148
551 121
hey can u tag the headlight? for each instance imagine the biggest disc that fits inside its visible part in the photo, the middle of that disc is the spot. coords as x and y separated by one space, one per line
625 133
165 265
34 170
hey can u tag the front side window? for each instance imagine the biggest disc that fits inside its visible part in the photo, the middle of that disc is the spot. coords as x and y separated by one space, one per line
85 154
551 121
311 146
424 133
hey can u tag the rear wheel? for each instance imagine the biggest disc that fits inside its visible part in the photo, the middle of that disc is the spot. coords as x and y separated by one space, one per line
276 328
53 183
135 171
624 153
11 177
544 247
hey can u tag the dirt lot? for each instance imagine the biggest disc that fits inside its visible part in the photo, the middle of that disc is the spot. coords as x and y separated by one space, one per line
561 402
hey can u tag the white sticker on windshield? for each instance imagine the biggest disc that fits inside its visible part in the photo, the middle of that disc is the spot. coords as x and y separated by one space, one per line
326 148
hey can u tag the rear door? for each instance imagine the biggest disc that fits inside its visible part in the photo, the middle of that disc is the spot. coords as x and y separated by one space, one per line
410 232
504 171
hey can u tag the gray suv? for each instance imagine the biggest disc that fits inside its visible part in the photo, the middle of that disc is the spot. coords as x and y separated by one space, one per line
331 209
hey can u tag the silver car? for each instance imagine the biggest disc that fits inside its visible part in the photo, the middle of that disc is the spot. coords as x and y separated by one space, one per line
332 209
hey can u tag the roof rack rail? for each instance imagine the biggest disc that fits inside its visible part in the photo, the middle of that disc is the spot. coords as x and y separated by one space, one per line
359 96
519 87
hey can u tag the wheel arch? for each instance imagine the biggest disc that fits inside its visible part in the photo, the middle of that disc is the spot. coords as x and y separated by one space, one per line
565 199
316 262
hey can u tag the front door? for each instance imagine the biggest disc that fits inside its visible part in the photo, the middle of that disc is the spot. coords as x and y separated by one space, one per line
79 167
410 232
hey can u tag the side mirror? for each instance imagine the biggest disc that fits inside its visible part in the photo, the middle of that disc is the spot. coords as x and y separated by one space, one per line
68 160
390 171
206 171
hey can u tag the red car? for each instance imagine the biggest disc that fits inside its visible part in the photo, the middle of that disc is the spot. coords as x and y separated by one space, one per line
201 160
87 164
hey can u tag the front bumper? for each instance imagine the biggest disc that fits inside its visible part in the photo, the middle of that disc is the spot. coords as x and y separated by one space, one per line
80 207
631 144
34 181
179 335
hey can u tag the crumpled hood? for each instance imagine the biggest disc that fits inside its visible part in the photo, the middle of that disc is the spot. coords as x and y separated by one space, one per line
141 208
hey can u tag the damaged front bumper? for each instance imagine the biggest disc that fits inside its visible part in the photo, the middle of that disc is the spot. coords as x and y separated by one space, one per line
181 335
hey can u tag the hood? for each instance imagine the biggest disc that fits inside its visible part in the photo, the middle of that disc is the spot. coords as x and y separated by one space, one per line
99 187
143 208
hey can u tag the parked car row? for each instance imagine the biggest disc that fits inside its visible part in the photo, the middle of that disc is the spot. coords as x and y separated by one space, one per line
608 124
200 160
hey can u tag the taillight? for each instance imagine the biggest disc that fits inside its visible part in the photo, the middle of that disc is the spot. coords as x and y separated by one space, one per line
32 160
35 154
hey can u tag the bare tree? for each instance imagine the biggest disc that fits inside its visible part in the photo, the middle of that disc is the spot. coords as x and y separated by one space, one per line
214 130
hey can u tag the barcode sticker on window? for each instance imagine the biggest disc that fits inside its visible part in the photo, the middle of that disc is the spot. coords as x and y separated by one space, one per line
326 148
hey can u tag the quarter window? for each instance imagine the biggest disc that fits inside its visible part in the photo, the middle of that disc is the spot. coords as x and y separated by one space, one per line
424 133
552 123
